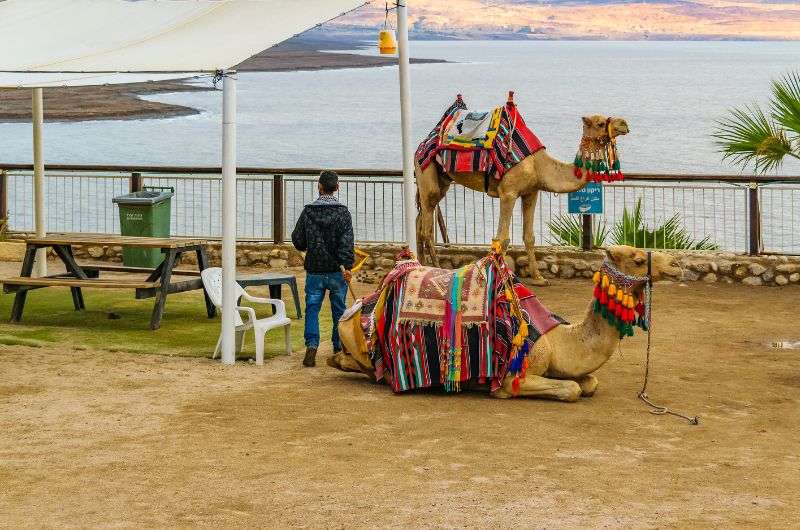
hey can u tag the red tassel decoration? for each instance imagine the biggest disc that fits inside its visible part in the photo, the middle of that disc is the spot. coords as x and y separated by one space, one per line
612 306
524 367
515 386
640 308
603 297
597 292
578 173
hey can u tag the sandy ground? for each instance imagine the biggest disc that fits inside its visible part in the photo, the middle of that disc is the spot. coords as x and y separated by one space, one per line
95 439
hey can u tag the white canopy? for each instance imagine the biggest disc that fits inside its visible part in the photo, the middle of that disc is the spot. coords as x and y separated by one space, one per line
171 37
49 43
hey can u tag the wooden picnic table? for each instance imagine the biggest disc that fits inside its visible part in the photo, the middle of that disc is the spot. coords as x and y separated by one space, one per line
158 283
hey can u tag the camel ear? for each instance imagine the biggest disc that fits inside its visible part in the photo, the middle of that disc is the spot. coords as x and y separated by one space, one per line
640 258
587 121
615 253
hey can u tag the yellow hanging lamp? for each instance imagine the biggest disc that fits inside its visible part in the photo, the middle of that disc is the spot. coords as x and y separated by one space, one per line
387 42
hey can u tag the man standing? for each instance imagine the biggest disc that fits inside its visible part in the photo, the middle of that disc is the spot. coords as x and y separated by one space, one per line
324 232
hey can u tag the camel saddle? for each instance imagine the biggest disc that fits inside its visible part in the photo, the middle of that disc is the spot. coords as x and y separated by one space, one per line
490 142
425 321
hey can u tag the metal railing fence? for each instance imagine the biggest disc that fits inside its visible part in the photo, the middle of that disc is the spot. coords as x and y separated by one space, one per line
735 213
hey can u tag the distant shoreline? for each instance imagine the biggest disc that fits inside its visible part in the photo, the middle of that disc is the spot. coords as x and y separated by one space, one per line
123 102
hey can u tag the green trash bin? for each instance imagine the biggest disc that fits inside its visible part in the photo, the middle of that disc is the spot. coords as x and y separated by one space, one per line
145 213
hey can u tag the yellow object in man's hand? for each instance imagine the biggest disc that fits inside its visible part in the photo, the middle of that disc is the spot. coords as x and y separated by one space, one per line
362 259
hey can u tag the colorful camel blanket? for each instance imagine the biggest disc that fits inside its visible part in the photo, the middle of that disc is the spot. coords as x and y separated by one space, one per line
468 129
430 327
458 144
429 292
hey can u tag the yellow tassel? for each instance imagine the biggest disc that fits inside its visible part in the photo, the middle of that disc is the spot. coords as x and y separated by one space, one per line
604 285
596 277
517 342
523 330
612 290
620 295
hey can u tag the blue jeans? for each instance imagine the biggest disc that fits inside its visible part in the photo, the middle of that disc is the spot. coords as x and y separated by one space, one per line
316 285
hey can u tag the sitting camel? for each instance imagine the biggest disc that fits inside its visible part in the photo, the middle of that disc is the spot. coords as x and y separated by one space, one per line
561 362
534 173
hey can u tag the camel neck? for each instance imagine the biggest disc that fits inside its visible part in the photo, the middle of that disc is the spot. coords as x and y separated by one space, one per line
556 176
600 337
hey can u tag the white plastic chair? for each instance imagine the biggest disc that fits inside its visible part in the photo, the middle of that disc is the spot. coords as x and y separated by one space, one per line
212 281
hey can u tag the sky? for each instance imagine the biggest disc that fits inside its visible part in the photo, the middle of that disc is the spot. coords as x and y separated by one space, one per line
591 19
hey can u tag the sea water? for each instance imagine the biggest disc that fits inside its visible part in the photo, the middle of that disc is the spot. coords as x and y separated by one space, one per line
671 93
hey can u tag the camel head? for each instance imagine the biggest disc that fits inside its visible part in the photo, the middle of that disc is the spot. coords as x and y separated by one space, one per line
633 262
603 129
354 358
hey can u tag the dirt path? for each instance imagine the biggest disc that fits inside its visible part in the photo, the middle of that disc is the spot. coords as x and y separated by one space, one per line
101 439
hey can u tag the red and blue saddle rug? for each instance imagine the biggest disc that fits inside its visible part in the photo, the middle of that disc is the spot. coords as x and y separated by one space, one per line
499 141
429 327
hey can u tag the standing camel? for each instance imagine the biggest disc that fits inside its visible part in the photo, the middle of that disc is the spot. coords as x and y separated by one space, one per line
534 173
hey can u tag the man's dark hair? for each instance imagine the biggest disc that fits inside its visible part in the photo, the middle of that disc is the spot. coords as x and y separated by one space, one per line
329 181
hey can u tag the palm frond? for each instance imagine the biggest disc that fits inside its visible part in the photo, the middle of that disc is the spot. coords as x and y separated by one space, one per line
631 230
785 102
749 137
568 230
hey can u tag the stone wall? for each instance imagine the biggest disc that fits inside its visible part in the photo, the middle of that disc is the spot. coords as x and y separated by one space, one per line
565 262
554 262
264 255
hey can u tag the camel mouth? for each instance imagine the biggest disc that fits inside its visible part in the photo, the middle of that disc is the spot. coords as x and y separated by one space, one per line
621 129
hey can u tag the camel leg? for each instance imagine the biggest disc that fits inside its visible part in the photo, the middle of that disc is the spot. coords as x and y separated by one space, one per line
588 385
507 201
429 193
536 386
528 208
347 363
426 248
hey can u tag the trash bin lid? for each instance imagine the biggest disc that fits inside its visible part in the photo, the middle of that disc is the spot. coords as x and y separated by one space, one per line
143 197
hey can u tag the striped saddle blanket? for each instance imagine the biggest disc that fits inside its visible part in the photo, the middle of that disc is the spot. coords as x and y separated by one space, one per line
421 317
488 142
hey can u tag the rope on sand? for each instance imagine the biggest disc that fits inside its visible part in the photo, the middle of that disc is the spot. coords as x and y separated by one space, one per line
654 408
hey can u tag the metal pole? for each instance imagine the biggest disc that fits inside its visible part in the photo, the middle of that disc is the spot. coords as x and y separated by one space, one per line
278 210
39 216
228 217
136 182
586 239
3 202
409 186
755 219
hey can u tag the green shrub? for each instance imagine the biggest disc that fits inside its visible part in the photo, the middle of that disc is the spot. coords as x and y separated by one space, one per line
630 230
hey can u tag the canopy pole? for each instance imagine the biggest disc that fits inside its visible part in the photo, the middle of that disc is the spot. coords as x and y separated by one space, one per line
409 185
228 217
39 214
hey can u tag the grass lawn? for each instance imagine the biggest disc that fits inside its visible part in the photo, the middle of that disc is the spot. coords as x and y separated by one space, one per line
185 329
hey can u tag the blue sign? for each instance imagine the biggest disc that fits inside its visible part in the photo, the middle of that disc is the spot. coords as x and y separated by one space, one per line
588 200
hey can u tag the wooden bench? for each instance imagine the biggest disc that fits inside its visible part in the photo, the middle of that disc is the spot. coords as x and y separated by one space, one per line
10 285
135 270
157 285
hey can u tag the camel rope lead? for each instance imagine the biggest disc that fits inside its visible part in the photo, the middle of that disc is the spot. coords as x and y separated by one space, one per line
654 408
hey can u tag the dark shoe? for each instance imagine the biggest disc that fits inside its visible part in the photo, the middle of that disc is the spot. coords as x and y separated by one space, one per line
311 357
